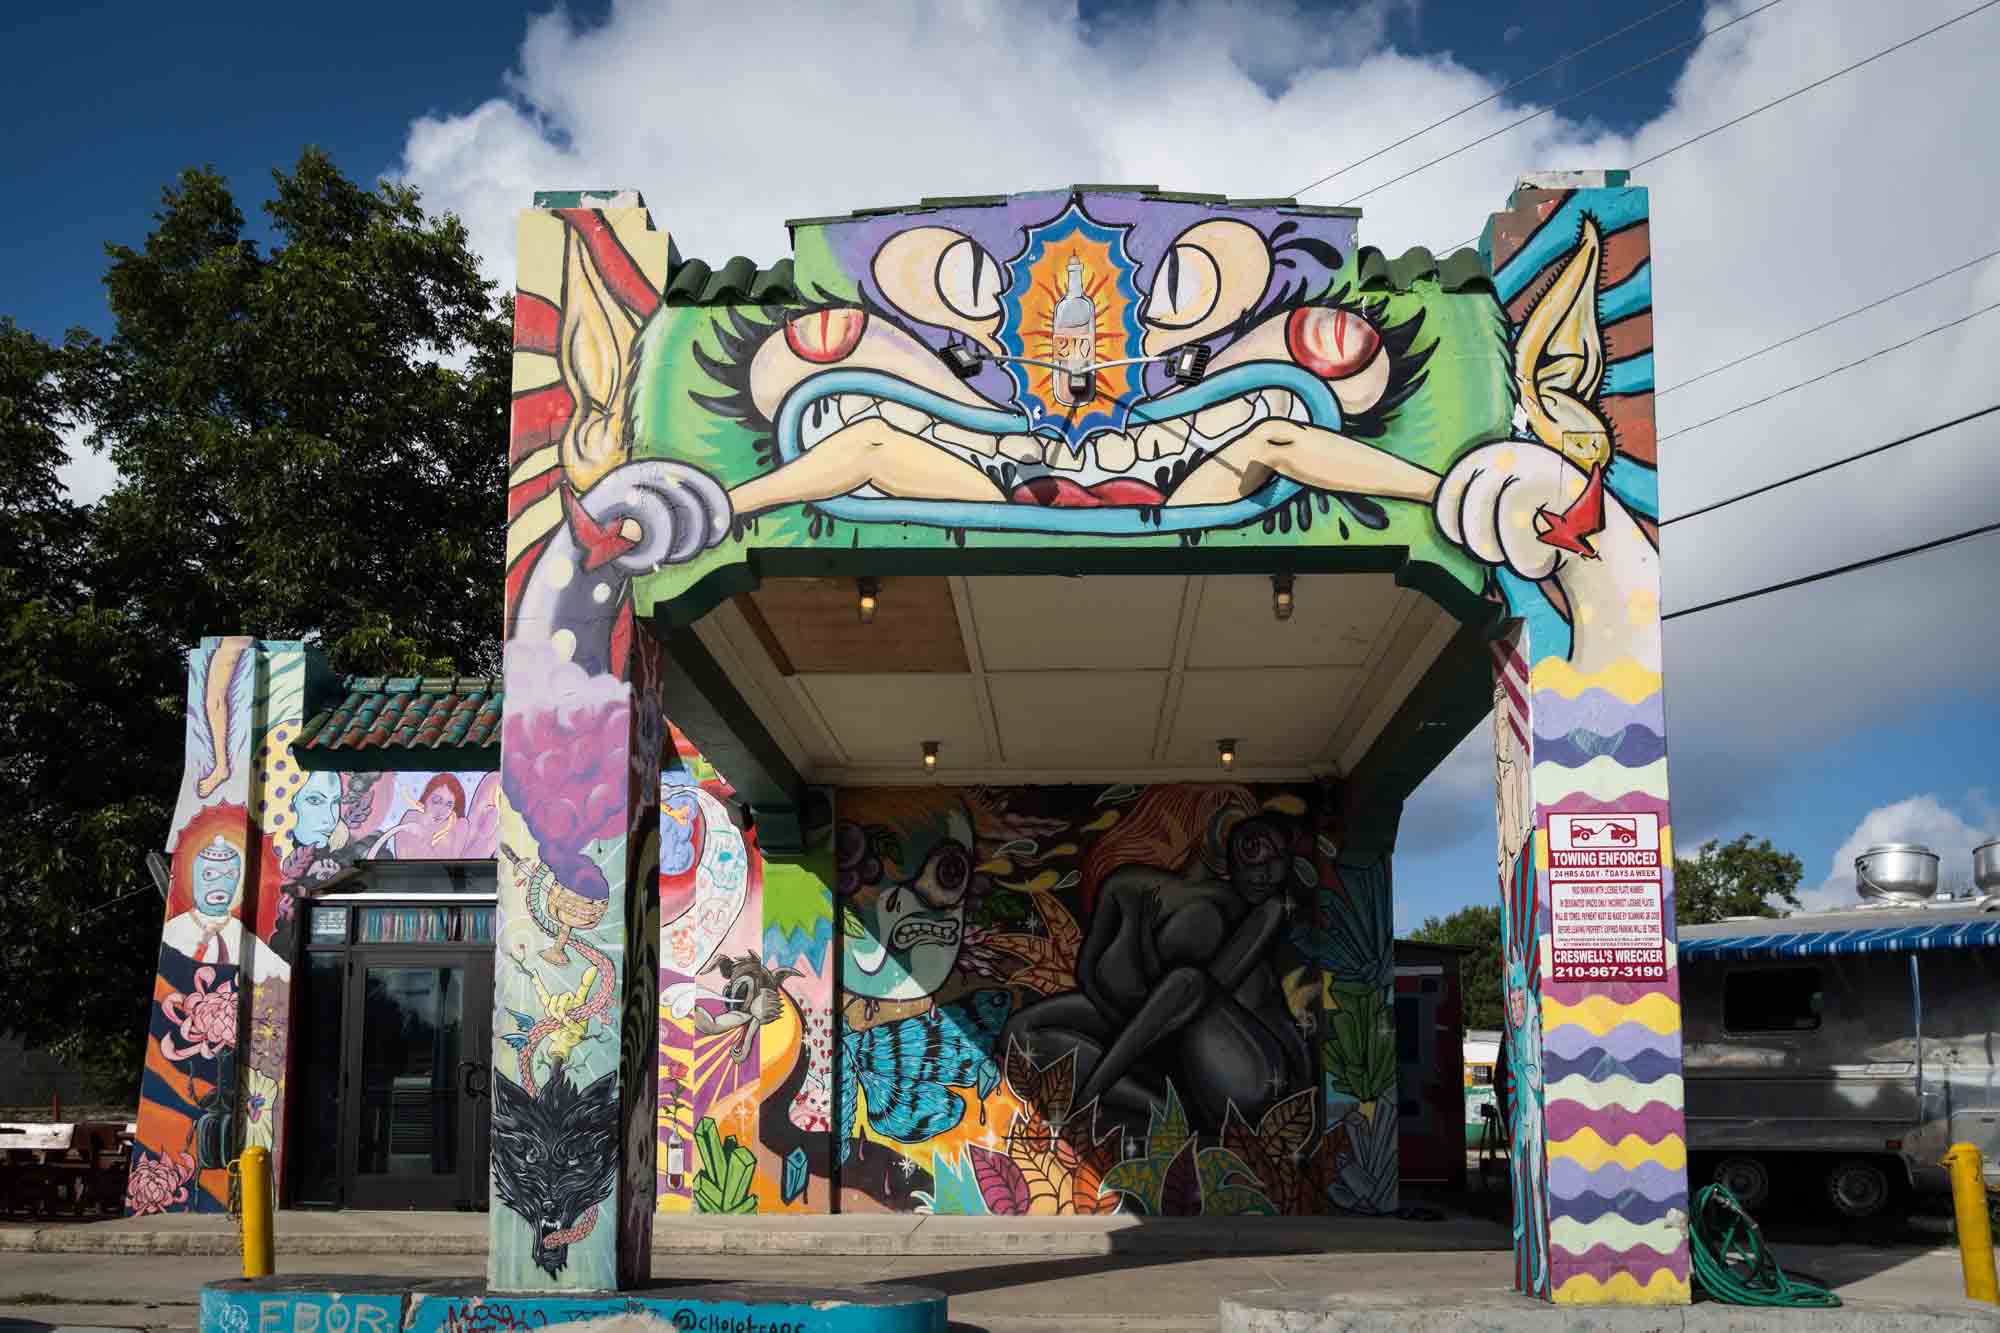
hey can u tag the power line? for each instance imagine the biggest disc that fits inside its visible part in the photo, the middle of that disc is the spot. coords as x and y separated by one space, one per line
1857 565
1695 40
1754 111
1790 388
1816 83
1493 96
1837 319
1838 462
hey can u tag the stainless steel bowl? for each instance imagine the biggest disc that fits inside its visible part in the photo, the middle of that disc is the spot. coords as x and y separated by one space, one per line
1986 866
1896 870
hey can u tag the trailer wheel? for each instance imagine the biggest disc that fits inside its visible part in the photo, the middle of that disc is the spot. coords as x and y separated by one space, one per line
1859 1188
1747 1178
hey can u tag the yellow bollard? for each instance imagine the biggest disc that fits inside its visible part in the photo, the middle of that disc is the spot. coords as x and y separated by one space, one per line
257 1204
1975 1232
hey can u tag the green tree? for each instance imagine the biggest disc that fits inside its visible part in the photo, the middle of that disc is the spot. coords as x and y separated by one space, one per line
1478 929
1735 879
310 441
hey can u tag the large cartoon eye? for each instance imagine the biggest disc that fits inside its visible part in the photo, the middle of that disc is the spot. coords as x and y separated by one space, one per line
968 281
946 876
1332 344
825 336
1186 288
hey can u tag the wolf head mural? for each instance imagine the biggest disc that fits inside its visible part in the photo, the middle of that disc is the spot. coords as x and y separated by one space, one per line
555 1158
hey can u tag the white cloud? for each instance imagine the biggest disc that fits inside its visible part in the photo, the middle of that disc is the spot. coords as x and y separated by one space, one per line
88 475
733 118
1950 832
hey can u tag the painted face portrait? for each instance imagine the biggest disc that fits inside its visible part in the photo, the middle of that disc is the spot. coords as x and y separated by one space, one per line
316 810
218 876
913 917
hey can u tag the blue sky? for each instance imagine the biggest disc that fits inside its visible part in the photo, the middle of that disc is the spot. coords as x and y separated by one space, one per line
1862 708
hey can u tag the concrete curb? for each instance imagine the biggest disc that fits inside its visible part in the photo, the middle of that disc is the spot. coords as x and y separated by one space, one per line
883 1236
1289 1311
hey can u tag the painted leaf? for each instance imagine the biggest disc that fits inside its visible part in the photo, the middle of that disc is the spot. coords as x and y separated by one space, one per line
1238 1201
1119 794
1051 980
1305 870
1036 950
1101 823
1180 1191
1042 1195
850 924
1001 1184
1239 1138
1062 927
1288 1126
1022 1079
1219 1167
1142 1178
1058 1082
1169 1131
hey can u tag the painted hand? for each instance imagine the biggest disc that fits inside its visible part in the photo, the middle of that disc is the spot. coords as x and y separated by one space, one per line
1497 502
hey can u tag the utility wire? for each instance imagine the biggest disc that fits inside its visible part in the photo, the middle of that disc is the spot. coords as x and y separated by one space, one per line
1837 319
1695 40
1493 96
1816 83
1790 388
1754 111
1912 437
1857 565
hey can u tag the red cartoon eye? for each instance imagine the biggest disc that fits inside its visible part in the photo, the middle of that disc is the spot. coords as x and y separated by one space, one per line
1332 344
826 335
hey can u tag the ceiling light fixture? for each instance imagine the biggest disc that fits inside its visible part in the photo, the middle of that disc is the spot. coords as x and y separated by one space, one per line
1226 752
1281 596
930 756
866 605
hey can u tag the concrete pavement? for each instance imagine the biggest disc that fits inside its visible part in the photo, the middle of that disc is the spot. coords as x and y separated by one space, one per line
1099 1293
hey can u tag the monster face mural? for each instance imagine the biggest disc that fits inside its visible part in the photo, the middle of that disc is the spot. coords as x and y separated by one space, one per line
902 889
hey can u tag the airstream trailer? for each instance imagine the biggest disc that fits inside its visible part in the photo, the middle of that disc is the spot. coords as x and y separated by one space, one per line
1842 1052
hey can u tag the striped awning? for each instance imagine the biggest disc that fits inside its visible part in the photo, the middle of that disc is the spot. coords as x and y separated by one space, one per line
1818 943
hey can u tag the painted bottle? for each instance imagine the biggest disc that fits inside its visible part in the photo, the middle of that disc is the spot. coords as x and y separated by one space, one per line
1075 341
676 1163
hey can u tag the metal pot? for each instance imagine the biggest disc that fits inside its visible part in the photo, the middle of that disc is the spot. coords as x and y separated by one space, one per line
1986 866
1900 871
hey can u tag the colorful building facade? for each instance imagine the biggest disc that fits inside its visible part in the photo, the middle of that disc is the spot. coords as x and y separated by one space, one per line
1055 596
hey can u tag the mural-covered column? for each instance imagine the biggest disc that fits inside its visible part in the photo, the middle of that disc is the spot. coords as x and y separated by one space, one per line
216 1054
1567 512
576 972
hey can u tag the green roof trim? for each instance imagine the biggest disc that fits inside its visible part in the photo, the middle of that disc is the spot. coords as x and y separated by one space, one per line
738 282
1460 271
406 723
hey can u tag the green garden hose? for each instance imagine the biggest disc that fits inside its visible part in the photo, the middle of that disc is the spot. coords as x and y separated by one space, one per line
1732 1265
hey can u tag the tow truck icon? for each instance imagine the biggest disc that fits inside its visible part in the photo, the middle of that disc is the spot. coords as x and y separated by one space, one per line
1609 829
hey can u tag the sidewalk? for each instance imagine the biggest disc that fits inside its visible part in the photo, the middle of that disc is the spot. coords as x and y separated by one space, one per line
879 1234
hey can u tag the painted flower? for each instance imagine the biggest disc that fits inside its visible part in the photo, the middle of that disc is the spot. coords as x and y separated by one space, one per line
233 1319
158 1183
206 1018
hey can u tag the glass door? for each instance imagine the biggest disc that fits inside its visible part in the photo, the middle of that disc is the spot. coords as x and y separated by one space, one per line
414 1104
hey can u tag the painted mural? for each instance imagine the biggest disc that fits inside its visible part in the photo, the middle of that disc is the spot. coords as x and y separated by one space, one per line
745 1010
253 838
1161 1000
1098 369
1601 1189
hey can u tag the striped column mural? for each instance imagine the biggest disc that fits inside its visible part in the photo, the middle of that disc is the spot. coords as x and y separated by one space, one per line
1594 1005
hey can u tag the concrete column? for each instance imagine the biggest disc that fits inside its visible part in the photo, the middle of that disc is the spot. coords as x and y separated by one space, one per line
216 1053
1585 850
576 974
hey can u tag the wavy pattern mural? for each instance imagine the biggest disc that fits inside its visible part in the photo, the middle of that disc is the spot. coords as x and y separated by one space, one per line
1571 267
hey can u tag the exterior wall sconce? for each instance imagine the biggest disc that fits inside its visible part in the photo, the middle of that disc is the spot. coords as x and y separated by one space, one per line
866 605
1226 752
1281 596
930 756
